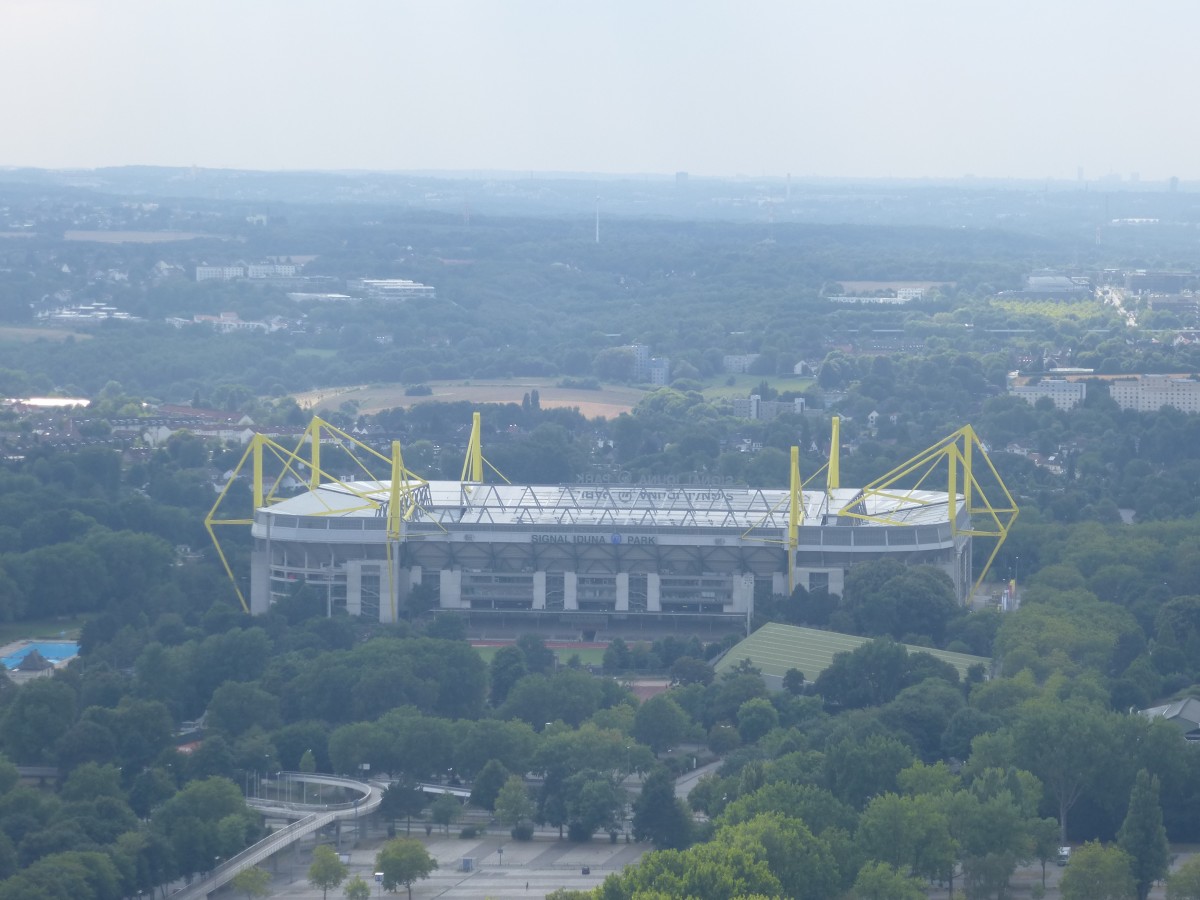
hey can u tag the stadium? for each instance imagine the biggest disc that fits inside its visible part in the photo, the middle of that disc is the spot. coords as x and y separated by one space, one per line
591 559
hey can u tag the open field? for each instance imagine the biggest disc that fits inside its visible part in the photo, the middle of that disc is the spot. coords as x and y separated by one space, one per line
775 648
27 335
42 630
589 654
608 402
133 237
744 385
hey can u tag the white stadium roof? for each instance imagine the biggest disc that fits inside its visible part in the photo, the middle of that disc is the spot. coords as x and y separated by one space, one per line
450 503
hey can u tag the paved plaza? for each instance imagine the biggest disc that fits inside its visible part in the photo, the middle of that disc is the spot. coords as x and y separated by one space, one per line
525 869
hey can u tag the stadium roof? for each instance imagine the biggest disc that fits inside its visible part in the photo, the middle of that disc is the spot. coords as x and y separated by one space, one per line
775 648
460 503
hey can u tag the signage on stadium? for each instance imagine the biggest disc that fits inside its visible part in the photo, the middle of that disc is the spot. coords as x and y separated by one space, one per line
593 539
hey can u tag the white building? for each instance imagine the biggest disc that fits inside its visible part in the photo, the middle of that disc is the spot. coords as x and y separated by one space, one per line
1149 393
271 270
1065 394
755 407
738 364
391 289
653 369
220 273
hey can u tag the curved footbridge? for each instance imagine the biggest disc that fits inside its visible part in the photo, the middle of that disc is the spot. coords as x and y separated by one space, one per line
309 818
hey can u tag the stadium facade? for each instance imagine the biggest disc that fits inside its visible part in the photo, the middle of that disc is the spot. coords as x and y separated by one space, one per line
592 558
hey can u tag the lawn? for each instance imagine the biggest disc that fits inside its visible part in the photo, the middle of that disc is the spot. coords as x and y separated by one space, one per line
745 385
589 656
25 335
41 629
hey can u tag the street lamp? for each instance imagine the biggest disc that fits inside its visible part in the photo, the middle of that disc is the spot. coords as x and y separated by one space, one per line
500 851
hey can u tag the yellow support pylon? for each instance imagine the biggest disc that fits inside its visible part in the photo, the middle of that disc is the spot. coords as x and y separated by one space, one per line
957 450
406 492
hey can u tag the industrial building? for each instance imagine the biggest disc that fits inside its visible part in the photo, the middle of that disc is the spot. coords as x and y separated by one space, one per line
592 558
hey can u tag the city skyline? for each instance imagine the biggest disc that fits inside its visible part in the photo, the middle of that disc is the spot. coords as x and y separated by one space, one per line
868 89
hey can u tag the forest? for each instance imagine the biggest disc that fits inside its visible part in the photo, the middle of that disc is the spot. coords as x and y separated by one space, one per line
884 774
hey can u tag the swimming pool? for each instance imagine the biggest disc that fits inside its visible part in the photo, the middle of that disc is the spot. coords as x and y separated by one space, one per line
55 651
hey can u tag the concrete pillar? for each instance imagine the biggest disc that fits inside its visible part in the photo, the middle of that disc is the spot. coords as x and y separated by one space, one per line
570 590
622 592
653 592
354 589
539 590
260 581
742 593
451 594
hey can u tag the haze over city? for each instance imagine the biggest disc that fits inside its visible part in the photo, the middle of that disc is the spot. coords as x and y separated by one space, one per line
857 89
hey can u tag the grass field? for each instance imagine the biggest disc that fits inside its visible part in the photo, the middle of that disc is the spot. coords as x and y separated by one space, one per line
589 656
41 630
744 385
609 402
27 335
775 648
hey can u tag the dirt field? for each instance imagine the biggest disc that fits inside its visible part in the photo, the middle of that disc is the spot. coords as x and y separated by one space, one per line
609 402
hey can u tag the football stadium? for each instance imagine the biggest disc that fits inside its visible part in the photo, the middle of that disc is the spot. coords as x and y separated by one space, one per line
590 559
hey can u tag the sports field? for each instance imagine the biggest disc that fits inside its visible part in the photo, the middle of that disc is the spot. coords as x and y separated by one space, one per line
589 654
775 648
609 401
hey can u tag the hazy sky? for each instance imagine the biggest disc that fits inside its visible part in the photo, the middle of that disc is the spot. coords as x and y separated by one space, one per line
908 88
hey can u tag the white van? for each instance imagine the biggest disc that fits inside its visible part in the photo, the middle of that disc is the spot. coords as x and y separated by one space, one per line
1064 855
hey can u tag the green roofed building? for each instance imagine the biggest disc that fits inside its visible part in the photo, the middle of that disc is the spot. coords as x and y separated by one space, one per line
775 648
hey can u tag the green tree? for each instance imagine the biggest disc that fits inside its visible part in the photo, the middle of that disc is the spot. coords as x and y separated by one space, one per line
1184 882
357 889
36 718
487 785
513 804
659 723
445 811
308 762
506 669
911 833
1142 835
1097 872
659 816
593 802
327 869
403 799
253 882
538 657
404 861
857 771
1044 839
1066 746
882 881
755 718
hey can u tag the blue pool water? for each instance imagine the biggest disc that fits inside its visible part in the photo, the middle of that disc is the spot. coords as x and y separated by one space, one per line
55 651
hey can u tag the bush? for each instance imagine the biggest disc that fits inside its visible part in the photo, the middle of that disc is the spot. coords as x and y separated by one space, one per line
472 831
418 390
577 832
522 832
